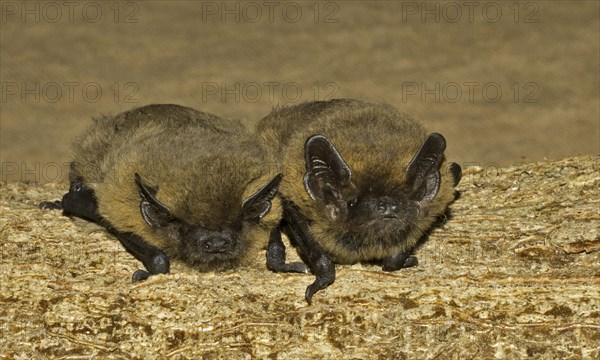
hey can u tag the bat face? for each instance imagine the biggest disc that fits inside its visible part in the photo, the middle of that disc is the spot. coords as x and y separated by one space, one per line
376 215
202 246
372 212
207 247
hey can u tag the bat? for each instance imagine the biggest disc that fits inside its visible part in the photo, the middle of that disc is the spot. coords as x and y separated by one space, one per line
361 183
171 182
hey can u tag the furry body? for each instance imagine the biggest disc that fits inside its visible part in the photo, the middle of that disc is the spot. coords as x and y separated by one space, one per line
377 143
198 166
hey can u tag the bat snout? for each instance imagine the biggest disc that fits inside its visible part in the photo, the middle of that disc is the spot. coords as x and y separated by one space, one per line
217 244
388 207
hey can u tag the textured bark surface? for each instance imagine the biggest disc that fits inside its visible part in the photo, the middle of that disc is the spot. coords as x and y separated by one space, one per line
514 272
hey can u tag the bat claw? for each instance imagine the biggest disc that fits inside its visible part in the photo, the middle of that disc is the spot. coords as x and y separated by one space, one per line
297 267
310 291
140 275
51 205
410 262
398 261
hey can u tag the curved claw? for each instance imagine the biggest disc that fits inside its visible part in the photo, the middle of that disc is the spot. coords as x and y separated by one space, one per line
318 284
325 273
310 291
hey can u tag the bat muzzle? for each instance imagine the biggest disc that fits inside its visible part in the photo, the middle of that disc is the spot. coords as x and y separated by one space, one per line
388 207
217 244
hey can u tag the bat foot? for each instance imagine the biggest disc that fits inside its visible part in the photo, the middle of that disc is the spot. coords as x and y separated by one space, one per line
299 268
276 256
295 267
140 275
398 261
160 264
410 262
51 205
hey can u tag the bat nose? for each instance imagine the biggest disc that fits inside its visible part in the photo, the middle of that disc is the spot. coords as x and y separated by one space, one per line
216 244
387 206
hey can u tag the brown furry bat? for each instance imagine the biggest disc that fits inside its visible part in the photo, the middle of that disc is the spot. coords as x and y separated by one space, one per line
172 182
362 183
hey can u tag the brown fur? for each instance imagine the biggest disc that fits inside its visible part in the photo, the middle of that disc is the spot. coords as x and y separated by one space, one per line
376 141
203 167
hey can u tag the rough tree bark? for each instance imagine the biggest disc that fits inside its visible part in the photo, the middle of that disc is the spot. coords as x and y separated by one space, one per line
513 272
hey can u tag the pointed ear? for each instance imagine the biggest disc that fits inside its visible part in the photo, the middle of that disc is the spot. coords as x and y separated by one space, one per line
155 213
327 176
456 172
423 172
258 204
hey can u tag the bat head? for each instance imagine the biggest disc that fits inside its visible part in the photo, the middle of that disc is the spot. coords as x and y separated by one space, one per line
208 247
372 208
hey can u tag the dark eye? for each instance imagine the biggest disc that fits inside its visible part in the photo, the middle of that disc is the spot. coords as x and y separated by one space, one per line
78 187
352 202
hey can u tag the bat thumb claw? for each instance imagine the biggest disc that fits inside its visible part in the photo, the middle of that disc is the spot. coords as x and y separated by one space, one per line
140 275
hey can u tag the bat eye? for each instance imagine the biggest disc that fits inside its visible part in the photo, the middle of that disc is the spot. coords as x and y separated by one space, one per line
352 202
78 187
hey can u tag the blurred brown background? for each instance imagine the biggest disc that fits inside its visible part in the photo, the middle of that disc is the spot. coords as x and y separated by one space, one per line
505 82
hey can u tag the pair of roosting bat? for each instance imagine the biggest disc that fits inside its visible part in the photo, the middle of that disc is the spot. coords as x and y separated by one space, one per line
359 182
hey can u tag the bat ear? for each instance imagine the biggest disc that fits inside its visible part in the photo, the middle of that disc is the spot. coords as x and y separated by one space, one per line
155 213
424 169
258 204
326 170
456 172
328 178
